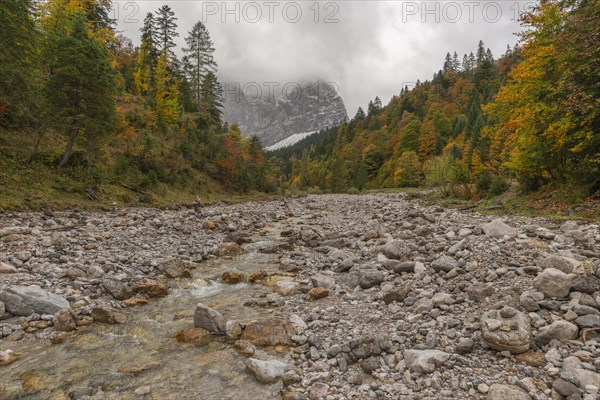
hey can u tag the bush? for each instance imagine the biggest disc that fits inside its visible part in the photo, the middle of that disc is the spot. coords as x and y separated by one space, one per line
483 182
498 186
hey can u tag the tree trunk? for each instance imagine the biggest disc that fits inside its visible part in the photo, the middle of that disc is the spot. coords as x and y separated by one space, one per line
69 148
36 146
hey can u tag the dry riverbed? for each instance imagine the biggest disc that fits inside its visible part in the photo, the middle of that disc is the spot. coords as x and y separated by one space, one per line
321 297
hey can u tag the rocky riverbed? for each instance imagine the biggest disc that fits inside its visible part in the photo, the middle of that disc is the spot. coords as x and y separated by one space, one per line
320 297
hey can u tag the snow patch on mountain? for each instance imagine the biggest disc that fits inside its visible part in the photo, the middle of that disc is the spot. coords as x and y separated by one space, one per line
290 140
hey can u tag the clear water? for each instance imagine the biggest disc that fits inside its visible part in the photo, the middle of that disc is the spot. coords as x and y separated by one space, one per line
112 361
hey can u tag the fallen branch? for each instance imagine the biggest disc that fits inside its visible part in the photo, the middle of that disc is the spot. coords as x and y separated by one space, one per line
134 189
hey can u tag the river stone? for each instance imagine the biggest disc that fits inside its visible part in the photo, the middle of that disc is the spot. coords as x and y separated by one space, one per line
244 347
506 334
27 300
323 281
425 361
560 330
198 336
107 315
396 250
2 309
6 268
269 332
151 288
177 268
480 291
209 319
118 290
266 371
369 278
563 264
64 320
317 293
573 371
588 321
498 229
233 277
507 392
553 283
286 288
444 263
7 357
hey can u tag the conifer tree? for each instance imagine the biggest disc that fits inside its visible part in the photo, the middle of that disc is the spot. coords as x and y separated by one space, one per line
166 28
198 59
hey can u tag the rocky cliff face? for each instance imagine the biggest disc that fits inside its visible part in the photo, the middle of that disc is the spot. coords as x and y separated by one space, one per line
277 113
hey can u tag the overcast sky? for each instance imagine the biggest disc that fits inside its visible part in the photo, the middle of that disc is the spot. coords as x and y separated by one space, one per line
367 48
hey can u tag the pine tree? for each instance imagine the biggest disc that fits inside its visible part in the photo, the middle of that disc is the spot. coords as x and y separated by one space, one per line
81 86
455 62
198 59
480 54
166 29
360 114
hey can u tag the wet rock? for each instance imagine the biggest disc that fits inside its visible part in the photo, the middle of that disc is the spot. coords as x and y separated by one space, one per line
107 315
553 283
286 288
257 276
151 288
498 229
506 334
233 277
209 319
27 300
64 320
266 371
317 293
177 268
269 332
198 336
507 392
244 347
118 290
233 330
425 361
7 357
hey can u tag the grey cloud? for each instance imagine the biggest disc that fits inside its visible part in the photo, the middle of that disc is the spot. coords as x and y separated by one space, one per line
375 48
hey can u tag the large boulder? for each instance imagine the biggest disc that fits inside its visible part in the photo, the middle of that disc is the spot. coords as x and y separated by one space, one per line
209 319
425 361
176 268
574 372
563 264
151 288
27 300
269 332
553 283
266 371
560 330
507 329
498 229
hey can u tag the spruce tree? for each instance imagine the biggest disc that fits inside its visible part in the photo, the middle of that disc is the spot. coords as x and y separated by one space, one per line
148 56
198 59
211 99
81 86
166 29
